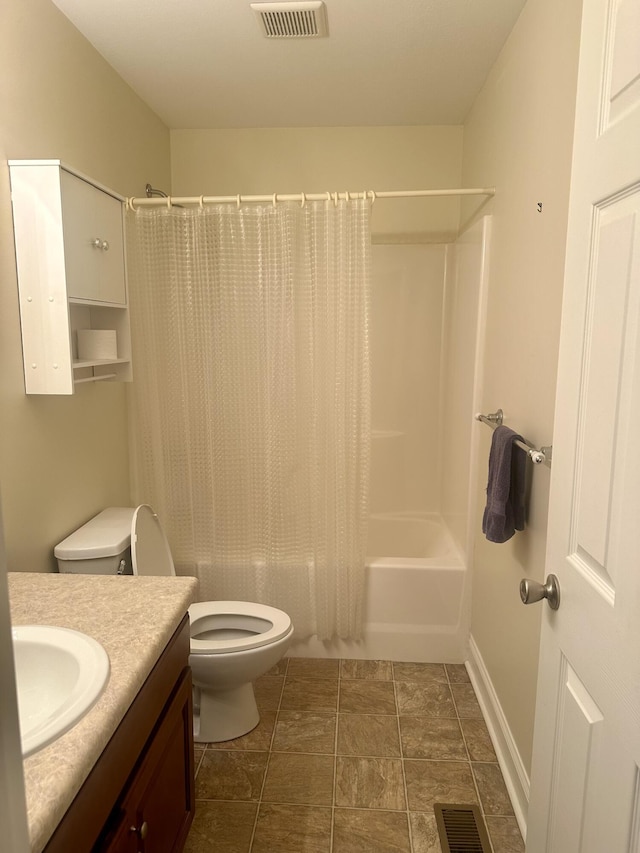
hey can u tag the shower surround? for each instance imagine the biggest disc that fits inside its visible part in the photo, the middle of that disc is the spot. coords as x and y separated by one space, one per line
427 332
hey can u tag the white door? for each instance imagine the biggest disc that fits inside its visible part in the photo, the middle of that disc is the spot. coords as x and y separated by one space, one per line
585 786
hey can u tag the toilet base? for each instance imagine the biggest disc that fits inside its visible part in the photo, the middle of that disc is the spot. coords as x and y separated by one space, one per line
225 714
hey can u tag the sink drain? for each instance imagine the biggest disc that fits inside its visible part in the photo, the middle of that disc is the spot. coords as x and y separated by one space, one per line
461 829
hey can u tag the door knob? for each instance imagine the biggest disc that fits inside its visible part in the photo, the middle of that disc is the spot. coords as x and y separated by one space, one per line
532 591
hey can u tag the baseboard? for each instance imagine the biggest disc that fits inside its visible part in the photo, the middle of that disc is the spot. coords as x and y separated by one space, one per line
515 775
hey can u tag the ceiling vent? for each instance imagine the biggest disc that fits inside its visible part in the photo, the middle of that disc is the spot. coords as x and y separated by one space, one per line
296 19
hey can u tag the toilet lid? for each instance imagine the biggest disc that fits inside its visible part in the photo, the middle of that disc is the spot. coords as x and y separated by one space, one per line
150 552
242 615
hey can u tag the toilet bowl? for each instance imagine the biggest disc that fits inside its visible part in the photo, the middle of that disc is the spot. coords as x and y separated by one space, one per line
232 642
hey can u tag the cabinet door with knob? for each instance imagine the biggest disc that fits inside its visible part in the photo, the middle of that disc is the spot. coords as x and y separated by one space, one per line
93 241
157 808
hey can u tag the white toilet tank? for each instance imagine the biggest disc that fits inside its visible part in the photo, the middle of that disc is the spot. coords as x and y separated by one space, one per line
102 546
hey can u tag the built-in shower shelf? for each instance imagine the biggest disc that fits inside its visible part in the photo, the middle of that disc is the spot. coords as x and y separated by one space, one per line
386 433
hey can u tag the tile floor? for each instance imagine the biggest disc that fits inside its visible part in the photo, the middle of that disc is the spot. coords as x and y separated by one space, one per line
349 757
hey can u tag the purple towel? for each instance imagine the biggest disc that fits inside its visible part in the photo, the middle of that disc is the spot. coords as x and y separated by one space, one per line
504 512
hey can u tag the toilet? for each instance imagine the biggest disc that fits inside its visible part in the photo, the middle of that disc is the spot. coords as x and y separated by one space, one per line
232 642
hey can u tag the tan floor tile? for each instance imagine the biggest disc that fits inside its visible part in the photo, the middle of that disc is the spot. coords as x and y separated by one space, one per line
370 832
268 690
292 829
476 736
305 731
493 792
466 702
369 783
231 775
367 697
370 670
366 734
430 782
419 672
424 833
424 700
309 694
457 673
223 827
294 778
298 702
432 737
280 668
505 835
258 739
314 667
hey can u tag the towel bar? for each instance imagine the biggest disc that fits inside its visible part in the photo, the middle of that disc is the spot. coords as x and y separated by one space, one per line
538 455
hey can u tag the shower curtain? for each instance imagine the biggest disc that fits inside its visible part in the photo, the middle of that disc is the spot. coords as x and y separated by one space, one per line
250 406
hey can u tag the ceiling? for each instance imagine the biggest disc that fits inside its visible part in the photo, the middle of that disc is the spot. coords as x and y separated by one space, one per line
205 64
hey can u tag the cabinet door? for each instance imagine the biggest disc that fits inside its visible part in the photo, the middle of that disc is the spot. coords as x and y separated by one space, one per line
158 807
93 241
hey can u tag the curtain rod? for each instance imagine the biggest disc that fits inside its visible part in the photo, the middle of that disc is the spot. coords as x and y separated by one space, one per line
302 198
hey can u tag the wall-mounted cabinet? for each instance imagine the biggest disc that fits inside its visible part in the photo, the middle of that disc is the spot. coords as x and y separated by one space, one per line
69 236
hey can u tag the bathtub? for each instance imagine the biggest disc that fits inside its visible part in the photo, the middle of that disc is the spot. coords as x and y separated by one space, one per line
414 596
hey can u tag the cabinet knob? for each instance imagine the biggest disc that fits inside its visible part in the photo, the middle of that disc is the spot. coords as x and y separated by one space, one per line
97 243
141 830
105 246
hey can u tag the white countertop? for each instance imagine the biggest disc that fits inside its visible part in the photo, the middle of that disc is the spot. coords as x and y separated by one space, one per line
133 618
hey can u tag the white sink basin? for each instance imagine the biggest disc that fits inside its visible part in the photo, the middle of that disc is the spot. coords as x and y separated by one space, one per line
60 674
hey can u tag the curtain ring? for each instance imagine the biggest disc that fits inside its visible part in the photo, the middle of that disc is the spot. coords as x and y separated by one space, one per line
373 196
335 199
201 202
328 196
303 199
347 196
131 206
168 202
274 199
238 200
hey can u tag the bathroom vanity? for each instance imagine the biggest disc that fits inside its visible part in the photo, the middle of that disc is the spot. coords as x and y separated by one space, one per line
121 780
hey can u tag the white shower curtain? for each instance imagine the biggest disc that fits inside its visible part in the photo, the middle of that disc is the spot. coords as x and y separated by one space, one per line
250 407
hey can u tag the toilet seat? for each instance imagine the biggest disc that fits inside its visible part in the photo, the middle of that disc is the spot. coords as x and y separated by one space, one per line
236 615
150 552
151 555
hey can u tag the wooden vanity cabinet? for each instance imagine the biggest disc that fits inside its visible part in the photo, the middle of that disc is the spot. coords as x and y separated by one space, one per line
156 811
140 797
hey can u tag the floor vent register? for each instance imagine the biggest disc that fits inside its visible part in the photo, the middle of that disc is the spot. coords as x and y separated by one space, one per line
461 829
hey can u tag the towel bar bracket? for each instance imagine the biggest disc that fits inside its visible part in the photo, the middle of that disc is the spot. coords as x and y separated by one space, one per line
538 456
494 417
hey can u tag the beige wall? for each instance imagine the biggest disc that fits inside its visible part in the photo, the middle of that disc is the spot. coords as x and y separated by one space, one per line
518 136
61 459
317 159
